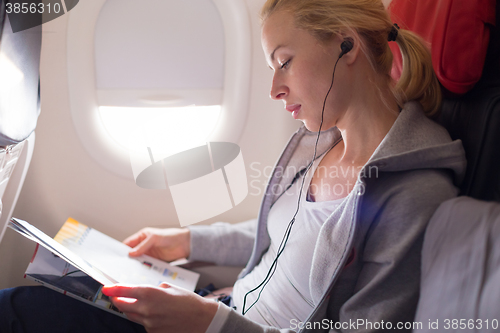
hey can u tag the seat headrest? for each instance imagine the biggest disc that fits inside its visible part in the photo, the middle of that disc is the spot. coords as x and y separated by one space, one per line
458 33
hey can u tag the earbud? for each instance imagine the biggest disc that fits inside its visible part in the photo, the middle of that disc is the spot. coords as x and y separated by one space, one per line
346 46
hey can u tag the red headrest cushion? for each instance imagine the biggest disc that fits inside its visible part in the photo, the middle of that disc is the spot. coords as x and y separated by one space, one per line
458 32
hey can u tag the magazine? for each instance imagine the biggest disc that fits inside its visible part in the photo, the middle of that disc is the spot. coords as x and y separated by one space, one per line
80 260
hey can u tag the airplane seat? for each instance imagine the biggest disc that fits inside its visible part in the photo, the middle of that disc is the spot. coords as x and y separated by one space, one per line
461 251
473 118
19 108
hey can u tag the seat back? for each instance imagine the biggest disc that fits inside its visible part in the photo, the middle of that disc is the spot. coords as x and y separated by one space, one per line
474 118
19 108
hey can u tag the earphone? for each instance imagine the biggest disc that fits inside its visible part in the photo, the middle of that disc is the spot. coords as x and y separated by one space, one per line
345 47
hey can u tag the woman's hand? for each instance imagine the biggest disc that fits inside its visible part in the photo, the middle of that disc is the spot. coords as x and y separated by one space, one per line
165 244
163 309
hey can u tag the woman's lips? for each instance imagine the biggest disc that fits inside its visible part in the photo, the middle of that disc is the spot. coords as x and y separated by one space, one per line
294 109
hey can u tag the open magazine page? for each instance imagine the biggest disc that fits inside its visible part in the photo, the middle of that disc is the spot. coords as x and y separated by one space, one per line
53 272
111 257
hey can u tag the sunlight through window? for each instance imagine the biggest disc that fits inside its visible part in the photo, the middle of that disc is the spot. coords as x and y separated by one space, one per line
164 130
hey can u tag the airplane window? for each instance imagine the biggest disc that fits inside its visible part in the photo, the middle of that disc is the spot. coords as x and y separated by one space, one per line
182 67
166 130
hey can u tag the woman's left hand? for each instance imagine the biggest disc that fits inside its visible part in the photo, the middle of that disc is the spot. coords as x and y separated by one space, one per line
163 309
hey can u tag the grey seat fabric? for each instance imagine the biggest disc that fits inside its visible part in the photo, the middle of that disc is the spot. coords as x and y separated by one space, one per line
461 268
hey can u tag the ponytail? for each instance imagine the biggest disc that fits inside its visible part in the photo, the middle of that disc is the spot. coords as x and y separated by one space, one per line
418 80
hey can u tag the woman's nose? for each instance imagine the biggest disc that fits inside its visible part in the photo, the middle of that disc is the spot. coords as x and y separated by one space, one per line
278 89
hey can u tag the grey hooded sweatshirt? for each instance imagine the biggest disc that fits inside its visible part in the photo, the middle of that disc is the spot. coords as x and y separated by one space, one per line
365 273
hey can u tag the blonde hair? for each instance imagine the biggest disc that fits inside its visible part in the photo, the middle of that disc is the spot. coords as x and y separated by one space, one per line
325 19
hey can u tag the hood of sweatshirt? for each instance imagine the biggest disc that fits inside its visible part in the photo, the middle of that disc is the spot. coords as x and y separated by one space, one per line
413 142
417 142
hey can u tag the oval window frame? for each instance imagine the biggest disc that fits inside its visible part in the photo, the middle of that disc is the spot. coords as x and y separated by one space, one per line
83 97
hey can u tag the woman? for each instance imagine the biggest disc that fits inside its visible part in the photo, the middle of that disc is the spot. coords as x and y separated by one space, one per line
368 170
353 253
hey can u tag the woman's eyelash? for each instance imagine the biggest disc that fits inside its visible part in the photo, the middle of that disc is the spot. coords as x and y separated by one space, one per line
285 64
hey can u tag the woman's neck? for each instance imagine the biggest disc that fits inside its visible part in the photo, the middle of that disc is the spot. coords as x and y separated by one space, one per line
369 117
